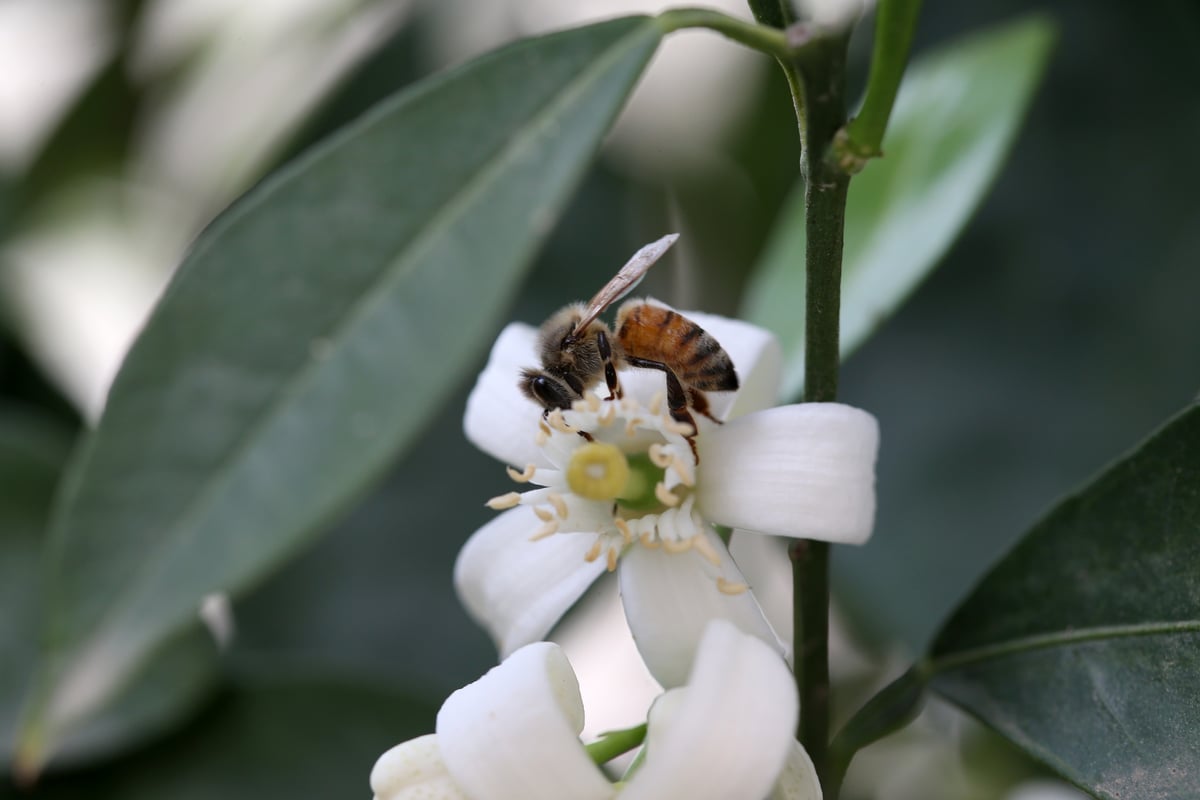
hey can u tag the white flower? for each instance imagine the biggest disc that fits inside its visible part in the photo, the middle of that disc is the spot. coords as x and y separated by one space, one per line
513 735
635 499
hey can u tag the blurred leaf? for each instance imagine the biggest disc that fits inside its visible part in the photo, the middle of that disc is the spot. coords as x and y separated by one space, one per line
955 118
32 454
887 711
356 603
259 743
92 138
1082 646
307 339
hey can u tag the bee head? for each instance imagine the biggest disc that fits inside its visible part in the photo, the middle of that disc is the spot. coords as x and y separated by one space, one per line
548 391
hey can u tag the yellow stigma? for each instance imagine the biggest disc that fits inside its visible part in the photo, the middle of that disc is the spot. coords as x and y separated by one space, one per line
598 471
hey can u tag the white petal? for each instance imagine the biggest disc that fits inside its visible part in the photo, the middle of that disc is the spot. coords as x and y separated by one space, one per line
765 563
757 357
805 471
670 598
798 781
414 770
730 733
514 733
499 420
517 589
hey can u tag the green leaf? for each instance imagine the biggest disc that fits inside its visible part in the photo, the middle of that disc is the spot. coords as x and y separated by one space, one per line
954 121
282 742
308 337
889 710
1082 646
33 452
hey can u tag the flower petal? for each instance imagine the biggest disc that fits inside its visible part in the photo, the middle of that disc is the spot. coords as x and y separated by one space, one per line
517 589
728 732
765 563
799 780
805 471
514 733
414 770
757 357
499 420
670 598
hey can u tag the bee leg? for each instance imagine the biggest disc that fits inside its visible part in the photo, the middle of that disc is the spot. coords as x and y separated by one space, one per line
610 370
699 401
677 398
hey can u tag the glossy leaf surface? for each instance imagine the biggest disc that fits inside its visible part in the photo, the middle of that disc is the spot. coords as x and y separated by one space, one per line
309 335
1082 646
954 121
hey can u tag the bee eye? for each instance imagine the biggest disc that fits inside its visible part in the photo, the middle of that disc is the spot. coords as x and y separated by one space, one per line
548 392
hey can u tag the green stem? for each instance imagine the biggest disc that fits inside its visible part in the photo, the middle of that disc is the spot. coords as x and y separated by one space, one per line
821 67
861 139
614 743
767 40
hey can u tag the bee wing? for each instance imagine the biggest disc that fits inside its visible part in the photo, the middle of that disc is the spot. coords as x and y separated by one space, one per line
626 279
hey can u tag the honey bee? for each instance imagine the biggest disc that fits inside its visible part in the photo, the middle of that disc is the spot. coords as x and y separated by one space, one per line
577 349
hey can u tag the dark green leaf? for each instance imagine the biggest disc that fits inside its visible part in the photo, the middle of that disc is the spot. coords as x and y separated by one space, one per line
262 743
889 710
32 454
1082 645
309 336
955 118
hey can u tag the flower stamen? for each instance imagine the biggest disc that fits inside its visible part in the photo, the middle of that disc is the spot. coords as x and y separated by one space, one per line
677 546
521 477
560 505
664 495
731 587
704 547
658 456
594 553
504 501
543 514
547 529
623 527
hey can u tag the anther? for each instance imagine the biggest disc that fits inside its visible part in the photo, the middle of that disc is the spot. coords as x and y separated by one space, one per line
730 587
547 529
558 422
705 548
594 553
677 546
623 527
656 403
664 496
612 559
545 515
560 505
607 416
647 540
658 456
503 501
521 477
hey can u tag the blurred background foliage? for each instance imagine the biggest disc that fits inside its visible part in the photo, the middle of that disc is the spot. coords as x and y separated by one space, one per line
1058 330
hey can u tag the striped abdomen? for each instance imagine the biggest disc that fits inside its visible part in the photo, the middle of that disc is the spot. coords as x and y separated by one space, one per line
659 334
